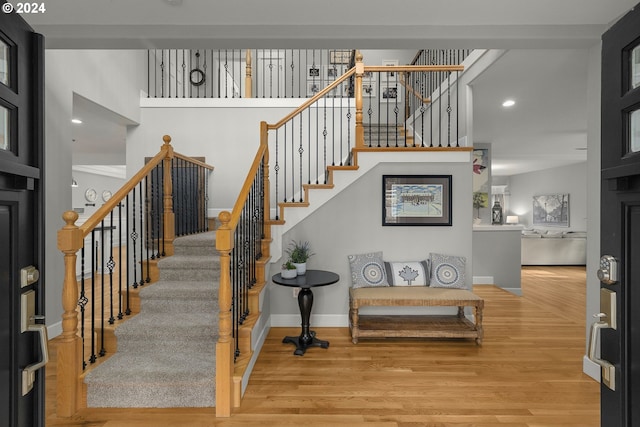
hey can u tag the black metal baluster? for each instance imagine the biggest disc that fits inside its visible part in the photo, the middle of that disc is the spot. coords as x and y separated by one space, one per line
93 357
349 115
103 299
148 73
153 213
134 237
82 302
162 74
110 265
128 269
276 169
148 222
142 281
120 246
457 109
324 142
301 152
184 75
161 210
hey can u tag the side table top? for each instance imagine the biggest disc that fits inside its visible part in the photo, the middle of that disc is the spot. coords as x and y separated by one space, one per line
311 279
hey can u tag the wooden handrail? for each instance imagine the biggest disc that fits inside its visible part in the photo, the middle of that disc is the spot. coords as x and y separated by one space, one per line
246 187
413 68
416 57
192 160
413 91
313 100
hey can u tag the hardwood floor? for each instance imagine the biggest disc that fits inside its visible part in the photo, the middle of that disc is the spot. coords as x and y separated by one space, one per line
527 373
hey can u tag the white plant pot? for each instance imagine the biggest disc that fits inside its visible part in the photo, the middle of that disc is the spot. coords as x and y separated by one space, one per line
301 268
288 274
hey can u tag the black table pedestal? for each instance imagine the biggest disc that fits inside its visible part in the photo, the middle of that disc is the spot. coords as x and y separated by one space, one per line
307 338
305 282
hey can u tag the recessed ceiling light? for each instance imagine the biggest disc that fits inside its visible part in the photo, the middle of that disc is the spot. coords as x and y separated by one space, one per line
509 103
76 121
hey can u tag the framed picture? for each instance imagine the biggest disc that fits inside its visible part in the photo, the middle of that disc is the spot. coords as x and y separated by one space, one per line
416 200
389 93
368 90
339 56
331 72
313 71
313 87
551 210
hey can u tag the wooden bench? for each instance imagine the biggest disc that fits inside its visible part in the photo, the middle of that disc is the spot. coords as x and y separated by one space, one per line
430 326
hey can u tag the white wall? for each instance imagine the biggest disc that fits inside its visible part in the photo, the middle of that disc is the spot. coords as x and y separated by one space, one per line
571 179
225 132
351 223
107 78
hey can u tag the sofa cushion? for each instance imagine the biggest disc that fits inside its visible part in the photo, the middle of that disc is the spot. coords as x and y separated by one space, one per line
367 270
409 273
448 271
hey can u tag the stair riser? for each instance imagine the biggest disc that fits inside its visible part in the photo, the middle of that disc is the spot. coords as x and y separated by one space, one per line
163 396
196 250
180 306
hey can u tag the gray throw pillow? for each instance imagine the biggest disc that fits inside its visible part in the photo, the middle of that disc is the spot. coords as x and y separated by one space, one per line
367 270
412 273
448 271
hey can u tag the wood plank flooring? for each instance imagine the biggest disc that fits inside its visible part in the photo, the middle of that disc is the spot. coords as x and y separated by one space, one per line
527 373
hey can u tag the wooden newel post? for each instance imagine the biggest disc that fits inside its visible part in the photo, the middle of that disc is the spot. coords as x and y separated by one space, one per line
169 225
225 345
248 80
69 365
358 96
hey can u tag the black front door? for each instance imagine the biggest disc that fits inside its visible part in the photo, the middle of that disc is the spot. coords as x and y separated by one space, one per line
21 223
620 224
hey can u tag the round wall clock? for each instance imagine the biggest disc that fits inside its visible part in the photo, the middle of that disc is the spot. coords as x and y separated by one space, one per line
106 195
91 195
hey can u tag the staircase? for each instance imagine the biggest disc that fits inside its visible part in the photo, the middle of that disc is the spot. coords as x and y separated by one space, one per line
166 354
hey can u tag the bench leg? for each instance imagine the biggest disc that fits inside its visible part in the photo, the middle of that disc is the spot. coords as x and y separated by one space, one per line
355 331
479 324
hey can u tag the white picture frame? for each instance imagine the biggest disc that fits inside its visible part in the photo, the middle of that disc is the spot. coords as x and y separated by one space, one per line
390 92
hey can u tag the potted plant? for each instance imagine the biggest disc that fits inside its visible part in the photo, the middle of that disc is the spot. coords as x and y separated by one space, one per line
289 270
299 253
478 202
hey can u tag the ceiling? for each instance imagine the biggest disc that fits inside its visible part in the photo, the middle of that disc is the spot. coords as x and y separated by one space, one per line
544 69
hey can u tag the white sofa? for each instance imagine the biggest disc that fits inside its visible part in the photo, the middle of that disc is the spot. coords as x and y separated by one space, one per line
540 247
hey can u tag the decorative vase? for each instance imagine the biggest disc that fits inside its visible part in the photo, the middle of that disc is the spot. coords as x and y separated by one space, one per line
301 268
288 274
477 221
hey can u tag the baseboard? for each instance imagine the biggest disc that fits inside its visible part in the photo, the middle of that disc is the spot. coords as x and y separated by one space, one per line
54 330
591 368
483 280
317 320
515 291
